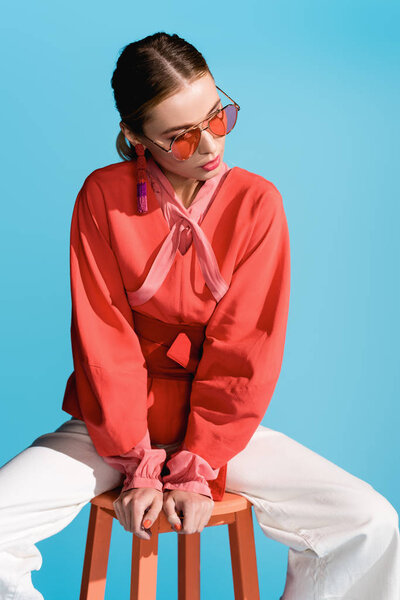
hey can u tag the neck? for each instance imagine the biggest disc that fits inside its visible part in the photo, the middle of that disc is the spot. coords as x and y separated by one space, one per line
185 189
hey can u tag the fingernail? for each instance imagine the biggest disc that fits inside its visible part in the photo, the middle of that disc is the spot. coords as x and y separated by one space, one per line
147 523
178 526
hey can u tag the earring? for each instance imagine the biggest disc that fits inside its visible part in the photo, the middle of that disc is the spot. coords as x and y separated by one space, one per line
141 179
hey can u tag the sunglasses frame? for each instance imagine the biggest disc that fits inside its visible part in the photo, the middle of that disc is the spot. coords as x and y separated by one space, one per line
198 126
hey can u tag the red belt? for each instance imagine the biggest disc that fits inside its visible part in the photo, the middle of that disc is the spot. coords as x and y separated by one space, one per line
171 350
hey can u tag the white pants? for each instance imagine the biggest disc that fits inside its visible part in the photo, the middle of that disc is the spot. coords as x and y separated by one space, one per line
343 536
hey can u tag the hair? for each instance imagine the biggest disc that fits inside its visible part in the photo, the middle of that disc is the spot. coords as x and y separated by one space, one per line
148 71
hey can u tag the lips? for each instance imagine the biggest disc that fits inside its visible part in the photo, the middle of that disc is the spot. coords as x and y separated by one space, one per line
210 162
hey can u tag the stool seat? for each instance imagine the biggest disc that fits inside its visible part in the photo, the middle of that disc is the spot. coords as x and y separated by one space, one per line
233 510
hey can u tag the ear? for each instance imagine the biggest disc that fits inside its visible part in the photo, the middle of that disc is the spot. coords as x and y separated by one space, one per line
128 134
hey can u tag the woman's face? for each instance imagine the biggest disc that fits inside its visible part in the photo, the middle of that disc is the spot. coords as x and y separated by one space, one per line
189 106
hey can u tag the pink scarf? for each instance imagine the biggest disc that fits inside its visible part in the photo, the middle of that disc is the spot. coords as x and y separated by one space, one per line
184 227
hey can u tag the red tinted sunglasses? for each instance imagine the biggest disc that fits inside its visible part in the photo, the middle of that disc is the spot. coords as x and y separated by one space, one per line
220 123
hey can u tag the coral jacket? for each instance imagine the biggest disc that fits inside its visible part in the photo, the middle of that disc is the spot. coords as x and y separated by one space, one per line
178 320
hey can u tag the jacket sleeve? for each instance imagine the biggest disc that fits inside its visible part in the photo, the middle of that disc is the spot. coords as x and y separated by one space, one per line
244 341
141 466
110 370
189 472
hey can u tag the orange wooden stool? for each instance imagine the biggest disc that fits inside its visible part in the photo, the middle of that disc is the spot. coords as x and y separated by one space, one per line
233 510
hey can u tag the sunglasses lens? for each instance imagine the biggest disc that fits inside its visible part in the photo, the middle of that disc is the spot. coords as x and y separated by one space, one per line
221 124
224 121
185 145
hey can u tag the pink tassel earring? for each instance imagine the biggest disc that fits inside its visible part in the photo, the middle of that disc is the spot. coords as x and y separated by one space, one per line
141 180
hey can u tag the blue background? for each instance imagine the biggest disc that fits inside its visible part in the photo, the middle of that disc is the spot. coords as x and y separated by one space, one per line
318 86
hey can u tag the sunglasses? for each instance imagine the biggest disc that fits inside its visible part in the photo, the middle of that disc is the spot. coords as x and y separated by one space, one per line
220 123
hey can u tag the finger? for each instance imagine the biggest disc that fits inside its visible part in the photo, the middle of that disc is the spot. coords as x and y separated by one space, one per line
189 517
205 518
205 513
198 516
198 519
138 511
152 513
210 510
125 511
170 510
118 512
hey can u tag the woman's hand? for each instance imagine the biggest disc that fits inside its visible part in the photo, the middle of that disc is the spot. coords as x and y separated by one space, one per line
195 508
135 507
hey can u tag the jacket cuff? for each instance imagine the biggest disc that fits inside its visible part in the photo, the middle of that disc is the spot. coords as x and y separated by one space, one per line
140 482
190 486
189 471
141 465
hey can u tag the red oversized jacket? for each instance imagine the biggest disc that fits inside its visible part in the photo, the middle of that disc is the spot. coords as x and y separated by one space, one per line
186 366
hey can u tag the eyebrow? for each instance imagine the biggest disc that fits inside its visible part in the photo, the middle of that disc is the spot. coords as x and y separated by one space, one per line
171 129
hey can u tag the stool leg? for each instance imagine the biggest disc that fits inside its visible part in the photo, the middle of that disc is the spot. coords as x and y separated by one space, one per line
189 566
144 567
243 556
96 554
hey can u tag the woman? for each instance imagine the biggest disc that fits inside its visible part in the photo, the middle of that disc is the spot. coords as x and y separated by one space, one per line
180 277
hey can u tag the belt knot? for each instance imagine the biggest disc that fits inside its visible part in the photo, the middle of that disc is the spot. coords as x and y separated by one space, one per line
180 349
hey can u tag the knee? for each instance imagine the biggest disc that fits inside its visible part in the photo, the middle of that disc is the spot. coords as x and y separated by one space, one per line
388 514
377 515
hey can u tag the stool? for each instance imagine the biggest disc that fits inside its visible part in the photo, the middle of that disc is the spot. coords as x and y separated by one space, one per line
232 510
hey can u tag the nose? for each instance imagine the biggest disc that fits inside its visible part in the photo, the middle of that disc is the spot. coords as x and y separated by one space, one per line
208 143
